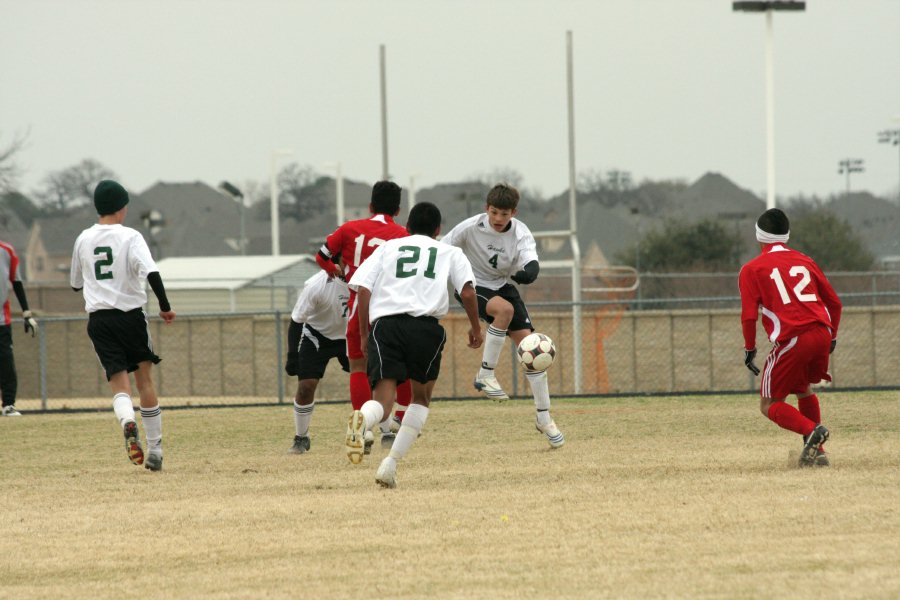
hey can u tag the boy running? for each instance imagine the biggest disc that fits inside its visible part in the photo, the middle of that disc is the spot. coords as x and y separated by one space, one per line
402 292
110 263
316 335
801 313
353 242
501 248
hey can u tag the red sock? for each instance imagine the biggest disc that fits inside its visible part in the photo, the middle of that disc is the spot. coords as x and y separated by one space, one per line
404 396
359 390
787 417
809 408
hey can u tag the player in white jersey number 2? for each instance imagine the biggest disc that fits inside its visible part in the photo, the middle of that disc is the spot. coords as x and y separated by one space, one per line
317 334
110 263
401 293
501 248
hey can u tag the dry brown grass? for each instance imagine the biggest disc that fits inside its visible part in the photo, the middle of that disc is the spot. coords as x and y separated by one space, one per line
651 497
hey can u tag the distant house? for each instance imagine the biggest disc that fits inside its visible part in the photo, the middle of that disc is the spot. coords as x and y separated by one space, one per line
50 243
233 283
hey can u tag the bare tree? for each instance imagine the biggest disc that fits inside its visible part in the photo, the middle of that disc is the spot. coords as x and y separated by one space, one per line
72 186
301 194
9 170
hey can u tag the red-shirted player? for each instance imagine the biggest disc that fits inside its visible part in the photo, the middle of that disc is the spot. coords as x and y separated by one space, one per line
355 241
801 313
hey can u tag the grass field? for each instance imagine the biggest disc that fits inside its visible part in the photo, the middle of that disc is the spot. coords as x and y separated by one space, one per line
673 497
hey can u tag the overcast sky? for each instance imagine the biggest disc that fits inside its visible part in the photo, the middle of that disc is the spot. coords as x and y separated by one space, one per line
186 90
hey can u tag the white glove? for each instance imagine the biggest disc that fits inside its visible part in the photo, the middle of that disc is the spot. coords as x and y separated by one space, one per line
30 324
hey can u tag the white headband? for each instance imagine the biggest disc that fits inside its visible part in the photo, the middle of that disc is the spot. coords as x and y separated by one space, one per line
765 237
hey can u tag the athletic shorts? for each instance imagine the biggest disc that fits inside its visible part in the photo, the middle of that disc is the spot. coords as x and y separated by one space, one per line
510 293
315 352
121 339
402 347
793 365
354 348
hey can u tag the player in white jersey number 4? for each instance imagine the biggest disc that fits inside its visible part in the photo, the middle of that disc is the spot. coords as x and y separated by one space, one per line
110 263
402 293
501 248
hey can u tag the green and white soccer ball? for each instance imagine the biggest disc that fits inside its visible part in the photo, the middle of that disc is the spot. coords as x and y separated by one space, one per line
536 352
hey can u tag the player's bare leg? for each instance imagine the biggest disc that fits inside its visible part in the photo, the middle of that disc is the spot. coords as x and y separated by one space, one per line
120 385
151 415
502 312
412 425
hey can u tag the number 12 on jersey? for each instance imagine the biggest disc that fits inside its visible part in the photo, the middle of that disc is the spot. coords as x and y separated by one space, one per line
798 271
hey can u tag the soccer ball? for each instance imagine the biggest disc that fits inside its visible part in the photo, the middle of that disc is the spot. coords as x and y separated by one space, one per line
536 352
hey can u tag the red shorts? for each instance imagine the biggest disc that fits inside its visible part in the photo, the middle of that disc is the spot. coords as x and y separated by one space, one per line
354 351
794 364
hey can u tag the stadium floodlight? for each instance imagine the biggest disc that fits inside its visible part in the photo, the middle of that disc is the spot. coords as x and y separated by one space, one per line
891 136
850 165
273 197
768 6
238 196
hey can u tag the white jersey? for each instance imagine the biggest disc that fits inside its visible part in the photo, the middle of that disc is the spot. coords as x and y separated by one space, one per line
494 255
111 263
409 276
322 305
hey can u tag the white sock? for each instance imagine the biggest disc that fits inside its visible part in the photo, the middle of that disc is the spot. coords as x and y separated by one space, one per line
372 412
541 392
152 418
385 425
493 344
413 422
123 408
302 417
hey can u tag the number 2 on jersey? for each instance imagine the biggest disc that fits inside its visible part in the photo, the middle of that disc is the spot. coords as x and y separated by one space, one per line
99 273
803 272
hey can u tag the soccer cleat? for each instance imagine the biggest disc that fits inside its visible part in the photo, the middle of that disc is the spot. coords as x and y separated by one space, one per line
386 476
369 441
395 424
133 444
491 388
355 440
818 437
822 459
387 440
154 461
554 435
301 445
10 411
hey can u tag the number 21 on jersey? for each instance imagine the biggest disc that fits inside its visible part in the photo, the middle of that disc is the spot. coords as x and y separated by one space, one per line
794 272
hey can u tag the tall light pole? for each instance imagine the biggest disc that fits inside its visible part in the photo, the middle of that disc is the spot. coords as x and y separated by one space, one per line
891 136
768 6
385 173
238 196
338 191
273 191
411 196
850 165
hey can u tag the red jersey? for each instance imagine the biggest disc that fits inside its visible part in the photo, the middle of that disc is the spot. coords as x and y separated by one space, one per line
356 240
792 292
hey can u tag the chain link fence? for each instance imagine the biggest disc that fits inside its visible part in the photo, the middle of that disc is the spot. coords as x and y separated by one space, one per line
628 346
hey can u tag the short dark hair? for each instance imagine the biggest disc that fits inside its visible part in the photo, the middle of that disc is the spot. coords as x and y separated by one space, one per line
503 195
386 198
424 219
774 221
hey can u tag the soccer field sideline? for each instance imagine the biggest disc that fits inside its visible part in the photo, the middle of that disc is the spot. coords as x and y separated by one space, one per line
650 497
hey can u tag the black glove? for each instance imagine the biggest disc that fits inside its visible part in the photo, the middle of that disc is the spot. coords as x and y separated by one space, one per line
30 323
833 344
749 355
292 364
522 277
